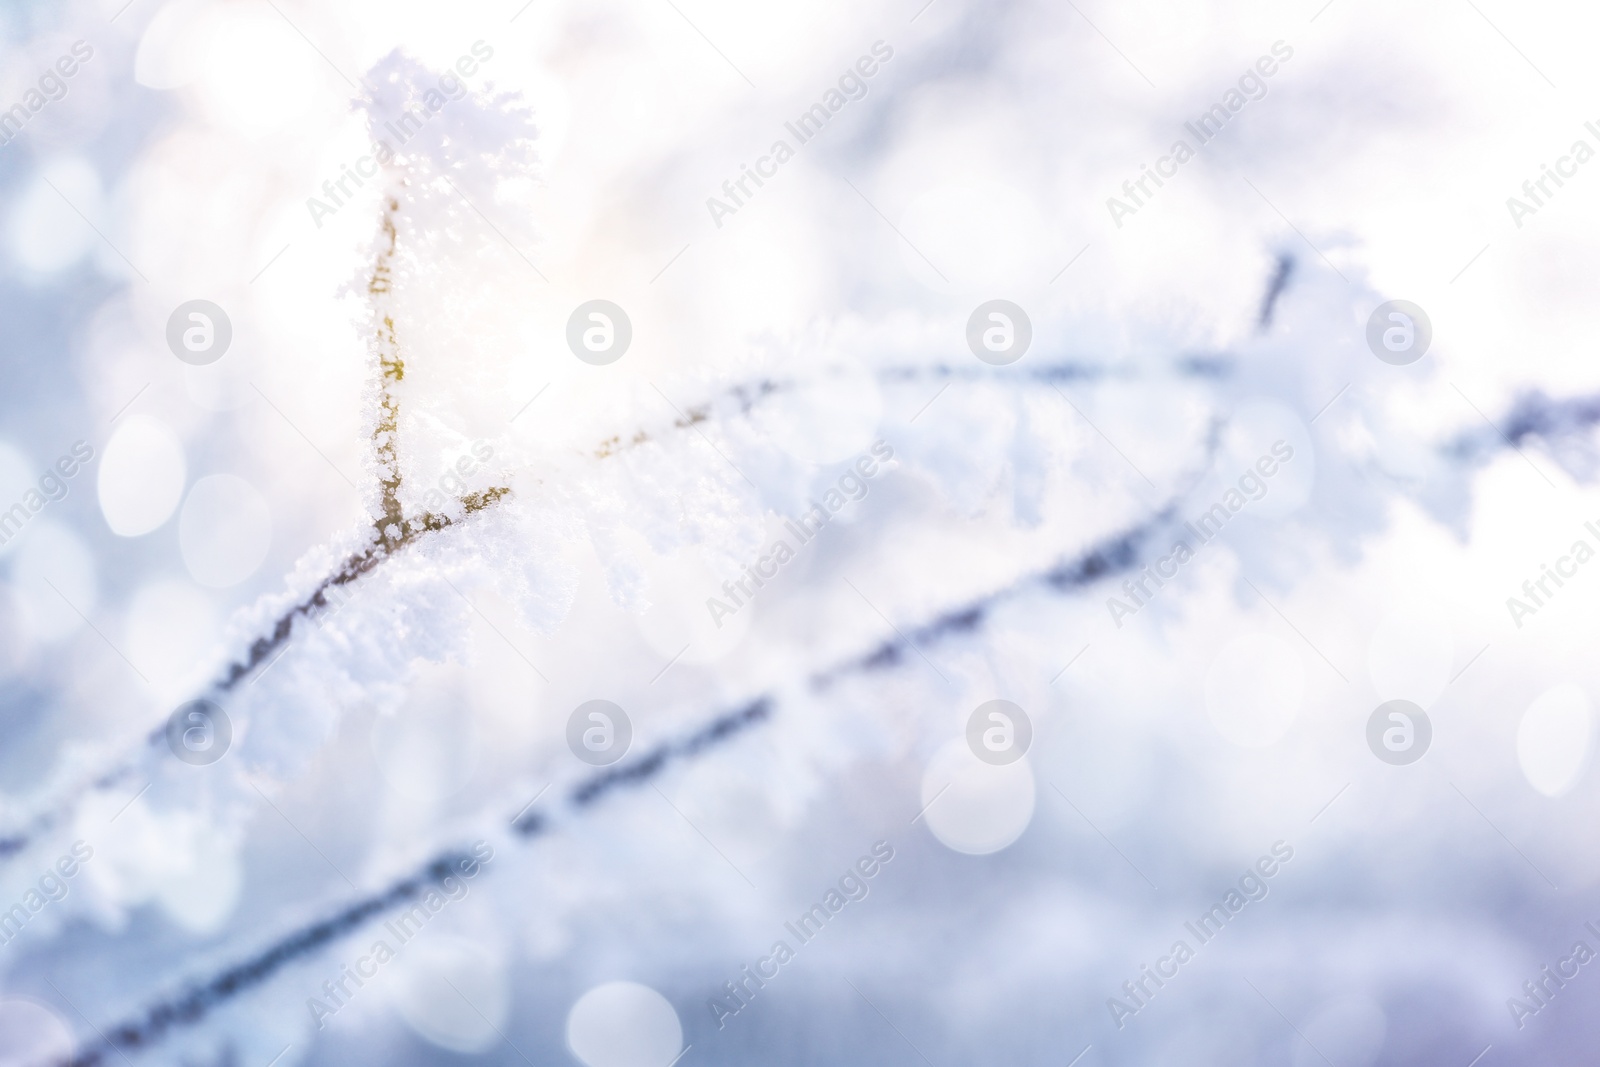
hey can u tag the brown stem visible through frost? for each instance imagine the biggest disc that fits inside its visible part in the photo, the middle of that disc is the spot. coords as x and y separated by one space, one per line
392 531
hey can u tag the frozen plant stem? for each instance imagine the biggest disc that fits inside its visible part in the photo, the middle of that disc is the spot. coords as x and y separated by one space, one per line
391 530
189 1007
152 1025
